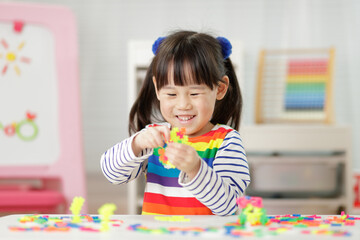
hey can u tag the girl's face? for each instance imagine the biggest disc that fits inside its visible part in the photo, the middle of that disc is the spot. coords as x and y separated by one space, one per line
190 106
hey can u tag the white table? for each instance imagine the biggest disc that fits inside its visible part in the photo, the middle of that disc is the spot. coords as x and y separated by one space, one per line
122 232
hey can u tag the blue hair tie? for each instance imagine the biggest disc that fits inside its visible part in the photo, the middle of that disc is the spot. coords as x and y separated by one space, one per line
226 47
156 44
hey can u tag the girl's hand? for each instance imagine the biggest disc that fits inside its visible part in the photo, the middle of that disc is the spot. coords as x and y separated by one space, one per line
184 158
151 137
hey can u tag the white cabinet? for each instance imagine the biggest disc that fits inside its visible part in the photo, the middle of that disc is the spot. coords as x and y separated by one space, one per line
303 169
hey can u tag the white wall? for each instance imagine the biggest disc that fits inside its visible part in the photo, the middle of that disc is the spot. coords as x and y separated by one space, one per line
106 26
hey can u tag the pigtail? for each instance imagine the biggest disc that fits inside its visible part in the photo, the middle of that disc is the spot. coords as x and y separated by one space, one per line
228 110
142 110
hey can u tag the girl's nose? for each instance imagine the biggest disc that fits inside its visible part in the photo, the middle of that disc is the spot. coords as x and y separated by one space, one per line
184 102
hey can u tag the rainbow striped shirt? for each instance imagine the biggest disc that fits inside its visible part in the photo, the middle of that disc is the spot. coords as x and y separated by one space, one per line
222 178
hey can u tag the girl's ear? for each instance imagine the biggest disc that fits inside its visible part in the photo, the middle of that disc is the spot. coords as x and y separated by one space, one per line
156 91
222 88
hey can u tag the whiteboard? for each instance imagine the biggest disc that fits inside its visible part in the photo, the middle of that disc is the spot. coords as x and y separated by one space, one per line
29 132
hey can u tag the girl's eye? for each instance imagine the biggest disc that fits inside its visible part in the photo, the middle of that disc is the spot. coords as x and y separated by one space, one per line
194 94
171 94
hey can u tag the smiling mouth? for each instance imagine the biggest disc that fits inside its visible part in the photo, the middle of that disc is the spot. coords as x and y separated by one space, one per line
185 118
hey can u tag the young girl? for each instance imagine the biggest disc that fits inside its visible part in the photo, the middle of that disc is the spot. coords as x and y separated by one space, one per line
189 84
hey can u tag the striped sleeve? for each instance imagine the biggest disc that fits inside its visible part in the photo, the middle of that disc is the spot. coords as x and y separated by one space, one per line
219 186
120 165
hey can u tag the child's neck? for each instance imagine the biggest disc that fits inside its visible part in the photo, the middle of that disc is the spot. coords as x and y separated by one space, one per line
203 131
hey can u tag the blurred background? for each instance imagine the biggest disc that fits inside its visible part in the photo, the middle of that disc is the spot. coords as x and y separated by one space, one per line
106 28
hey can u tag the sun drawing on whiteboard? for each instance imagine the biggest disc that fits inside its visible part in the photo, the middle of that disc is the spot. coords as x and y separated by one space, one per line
12 57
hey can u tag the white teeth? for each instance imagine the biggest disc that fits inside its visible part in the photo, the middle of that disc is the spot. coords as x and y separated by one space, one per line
184 118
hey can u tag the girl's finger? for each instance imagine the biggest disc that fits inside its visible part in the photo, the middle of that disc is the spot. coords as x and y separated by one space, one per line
156 139
165 132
